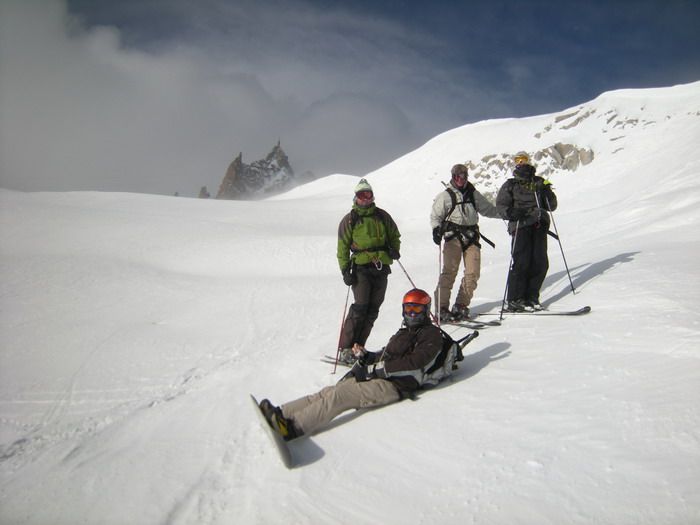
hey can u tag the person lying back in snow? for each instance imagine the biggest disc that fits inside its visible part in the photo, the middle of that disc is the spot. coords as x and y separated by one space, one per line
376 379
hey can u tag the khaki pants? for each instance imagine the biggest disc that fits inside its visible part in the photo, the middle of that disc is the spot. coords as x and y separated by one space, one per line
452 256
310 413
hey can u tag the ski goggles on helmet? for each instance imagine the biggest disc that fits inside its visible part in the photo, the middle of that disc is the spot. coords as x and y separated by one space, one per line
521 159
364 195
413 308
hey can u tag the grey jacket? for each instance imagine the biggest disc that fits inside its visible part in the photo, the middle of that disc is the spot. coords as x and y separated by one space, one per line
464 213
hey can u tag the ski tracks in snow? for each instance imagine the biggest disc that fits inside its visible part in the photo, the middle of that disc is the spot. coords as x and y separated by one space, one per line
38 436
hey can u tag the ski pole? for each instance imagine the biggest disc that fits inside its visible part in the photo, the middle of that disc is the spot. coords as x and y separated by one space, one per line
413 284
437 306
408 276
551 214
510 265
342 324
556 236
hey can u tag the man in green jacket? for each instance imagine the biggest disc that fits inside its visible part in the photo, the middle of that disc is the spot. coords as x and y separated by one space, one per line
368 242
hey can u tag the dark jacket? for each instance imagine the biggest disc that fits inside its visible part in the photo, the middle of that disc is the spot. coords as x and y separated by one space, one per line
533 194
408 354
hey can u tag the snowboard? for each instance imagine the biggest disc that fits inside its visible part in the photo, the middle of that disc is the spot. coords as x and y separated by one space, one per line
283 449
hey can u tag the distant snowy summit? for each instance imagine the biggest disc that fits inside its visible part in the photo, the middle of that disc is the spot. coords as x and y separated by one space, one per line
262 178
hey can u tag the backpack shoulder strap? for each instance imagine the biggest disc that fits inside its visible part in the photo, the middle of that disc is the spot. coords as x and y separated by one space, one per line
354 217
383 216
453 204
467 198
469 194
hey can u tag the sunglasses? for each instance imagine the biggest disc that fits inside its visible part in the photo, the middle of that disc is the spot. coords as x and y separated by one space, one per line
520 160
364 195
413 308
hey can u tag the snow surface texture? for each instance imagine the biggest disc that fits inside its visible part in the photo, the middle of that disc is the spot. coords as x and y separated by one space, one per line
134 327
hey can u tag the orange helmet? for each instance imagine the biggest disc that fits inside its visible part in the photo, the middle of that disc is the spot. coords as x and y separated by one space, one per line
416 296
416 308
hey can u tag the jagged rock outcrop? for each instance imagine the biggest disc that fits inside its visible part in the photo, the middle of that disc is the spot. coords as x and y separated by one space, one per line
492 170
262 178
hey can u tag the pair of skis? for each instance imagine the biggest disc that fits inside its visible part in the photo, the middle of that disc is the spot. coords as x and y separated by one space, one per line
580 311
476 323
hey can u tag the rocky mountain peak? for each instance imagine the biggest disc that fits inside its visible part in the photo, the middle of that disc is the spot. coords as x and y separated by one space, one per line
262 178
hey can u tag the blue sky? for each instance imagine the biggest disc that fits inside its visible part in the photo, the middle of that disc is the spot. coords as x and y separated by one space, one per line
346 86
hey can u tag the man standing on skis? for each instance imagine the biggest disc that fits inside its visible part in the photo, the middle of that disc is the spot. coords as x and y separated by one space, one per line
525 201
455 217
376 379
368 242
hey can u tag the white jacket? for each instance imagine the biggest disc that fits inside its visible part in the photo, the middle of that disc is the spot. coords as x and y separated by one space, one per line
464 213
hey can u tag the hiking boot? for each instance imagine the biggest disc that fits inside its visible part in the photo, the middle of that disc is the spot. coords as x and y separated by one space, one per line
460 312
518 305
347 356
280 424
445 315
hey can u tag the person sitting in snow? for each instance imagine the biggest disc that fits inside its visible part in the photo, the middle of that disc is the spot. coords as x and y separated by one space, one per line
455 215
368 242
526 200
376 378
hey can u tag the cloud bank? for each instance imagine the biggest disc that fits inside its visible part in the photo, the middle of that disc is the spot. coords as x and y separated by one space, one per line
79 110
159 96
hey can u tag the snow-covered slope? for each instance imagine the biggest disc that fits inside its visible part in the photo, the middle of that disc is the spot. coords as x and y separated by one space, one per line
133 327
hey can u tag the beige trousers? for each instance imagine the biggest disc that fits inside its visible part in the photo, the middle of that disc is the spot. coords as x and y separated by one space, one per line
310 413
452 256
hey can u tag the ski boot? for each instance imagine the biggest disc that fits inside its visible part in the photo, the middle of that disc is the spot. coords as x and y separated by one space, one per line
445 315
517 305
460 312
347 356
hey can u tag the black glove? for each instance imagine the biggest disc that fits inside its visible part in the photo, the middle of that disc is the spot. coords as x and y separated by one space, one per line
545 192
437 235
516 214
367 358
367 372
349 277
360 372
394 253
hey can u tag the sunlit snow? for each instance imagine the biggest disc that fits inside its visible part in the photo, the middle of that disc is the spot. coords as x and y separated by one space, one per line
134 326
